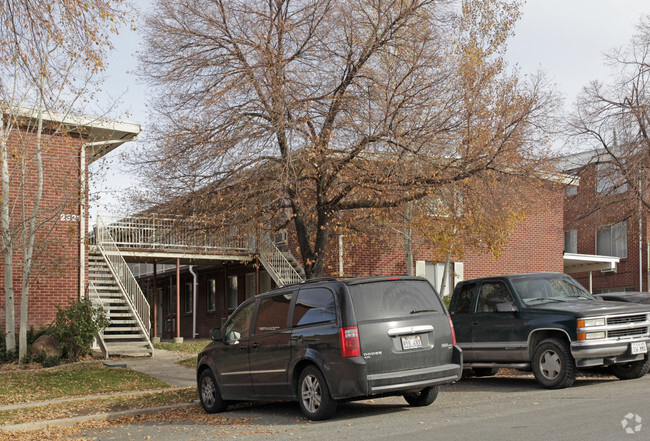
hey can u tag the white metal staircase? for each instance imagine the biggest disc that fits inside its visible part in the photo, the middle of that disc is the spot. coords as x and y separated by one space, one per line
125 334
113 285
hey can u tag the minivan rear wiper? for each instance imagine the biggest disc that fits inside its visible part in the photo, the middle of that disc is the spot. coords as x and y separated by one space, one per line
417 311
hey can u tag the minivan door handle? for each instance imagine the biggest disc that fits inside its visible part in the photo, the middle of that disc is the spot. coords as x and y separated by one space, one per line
255 345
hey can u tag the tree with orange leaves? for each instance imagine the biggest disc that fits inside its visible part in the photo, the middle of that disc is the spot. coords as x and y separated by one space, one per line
306 111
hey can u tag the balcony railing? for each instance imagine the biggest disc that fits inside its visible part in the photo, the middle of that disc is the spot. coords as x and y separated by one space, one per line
166 234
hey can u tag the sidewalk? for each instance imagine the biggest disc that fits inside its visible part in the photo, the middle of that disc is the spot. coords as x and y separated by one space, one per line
162 366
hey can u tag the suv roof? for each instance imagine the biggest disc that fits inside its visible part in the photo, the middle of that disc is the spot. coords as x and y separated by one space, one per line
346 280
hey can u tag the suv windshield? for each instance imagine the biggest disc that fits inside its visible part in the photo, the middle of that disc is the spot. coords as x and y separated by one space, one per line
391 299
549 288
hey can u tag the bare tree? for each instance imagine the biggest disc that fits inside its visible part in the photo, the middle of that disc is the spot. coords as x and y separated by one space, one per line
302 110
49 54
614 118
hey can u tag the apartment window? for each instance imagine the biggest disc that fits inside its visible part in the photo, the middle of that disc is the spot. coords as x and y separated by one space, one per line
612 240
212 295
233 291
265 281
187 297
609 179
571 241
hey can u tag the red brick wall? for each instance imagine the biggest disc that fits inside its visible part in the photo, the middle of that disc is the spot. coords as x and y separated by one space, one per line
536 245
55 278
586 212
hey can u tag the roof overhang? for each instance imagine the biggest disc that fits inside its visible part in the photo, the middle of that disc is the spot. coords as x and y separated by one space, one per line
103 134
578 263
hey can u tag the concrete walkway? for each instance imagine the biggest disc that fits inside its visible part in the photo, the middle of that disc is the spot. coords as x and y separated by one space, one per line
163 366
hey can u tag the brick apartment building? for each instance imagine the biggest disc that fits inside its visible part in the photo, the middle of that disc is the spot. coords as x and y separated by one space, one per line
69 143
535 245
602 218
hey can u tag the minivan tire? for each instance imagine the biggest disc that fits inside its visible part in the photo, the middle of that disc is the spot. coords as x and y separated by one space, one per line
423 398
553 364
314 396
209 393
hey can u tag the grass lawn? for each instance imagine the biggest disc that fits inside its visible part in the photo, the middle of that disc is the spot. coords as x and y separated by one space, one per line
189 362
96 406
71 381
189 346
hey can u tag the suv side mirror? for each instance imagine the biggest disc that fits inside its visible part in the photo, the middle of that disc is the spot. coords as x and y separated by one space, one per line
215 334
505 307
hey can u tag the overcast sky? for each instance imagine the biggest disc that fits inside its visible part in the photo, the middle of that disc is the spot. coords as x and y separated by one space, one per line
564 38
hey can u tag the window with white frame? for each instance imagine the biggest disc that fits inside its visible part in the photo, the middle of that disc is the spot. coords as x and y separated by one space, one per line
571 241
609 179
233 291
611 240
212 295
251 285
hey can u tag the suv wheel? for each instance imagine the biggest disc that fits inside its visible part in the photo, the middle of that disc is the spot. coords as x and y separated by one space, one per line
209 393
423 398
553 365
629 371
314 396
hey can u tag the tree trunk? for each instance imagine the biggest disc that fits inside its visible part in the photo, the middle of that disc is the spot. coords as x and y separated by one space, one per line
30 238
408 240
7 243
445 274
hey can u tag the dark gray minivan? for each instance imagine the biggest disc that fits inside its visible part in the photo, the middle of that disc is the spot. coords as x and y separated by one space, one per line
330 340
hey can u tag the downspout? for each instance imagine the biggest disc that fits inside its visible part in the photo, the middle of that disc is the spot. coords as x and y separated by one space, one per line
191 267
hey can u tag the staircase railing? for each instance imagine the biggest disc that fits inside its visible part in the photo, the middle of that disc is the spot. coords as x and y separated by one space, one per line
124 277
276 263
97 301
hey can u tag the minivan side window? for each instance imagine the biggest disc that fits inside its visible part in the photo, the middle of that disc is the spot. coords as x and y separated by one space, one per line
465 299
315 305
240 325
272 314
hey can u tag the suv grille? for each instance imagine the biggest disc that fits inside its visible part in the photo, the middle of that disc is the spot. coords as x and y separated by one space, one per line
627 332
627 319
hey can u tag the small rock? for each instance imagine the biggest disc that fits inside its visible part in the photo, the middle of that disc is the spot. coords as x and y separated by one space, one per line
48 345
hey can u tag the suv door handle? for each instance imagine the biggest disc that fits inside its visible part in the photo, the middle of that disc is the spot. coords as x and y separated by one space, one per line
475 323
255 345
243 347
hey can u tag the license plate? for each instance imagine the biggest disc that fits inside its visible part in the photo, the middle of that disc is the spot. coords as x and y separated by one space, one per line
639 347
411 342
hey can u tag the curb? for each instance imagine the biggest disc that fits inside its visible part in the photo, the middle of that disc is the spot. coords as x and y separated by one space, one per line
71 421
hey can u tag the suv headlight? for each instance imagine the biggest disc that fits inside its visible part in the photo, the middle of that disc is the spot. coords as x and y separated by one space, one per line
588 323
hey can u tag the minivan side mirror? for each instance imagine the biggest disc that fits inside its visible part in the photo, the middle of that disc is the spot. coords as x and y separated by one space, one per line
215 334
505 307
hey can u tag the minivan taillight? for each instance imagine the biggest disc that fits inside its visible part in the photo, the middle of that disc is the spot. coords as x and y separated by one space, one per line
350 346
453 333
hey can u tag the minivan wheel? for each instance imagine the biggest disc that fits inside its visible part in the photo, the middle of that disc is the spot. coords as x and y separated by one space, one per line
423 398
553 364
314 396
629 371
209 393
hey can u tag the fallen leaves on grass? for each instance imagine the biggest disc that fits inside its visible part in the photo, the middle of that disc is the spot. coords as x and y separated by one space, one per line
192 414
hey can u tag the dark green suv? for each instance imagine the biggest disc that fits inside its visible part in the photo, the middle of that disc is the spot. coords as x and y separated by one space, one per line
329 340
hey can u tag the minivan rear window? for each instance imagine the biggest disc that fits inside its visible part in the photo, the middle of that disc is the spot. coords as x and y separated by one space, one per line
391 299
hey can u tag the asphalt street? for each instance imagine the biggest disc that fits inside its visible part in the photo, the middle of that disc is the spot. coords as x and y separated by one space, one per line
485 409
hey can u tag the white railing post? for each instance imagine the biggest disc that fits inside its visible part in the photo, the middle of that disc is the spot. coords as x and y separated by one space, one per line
97 301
